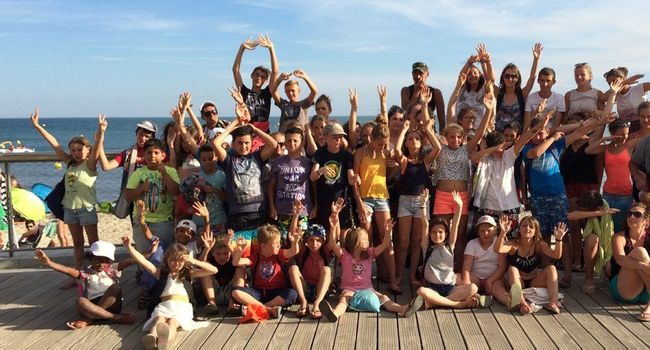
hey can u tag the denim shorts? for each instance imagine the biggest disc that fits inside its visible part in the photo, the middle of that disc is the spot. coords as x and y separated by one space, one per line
376 204
410 206
442 289
622 203
82 216
265 295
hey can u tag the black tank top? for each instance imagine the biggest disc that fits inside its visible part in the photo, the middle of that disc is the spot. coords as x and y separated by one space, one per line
415 179
526 264
616 268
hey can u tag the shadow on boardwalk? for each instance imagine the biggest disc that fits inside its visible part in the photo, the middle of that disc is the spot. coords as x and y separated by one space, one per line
33 313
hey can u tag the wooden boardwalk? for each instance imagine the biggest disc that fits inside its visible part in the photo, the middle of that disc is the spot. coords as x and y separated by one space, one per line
33 313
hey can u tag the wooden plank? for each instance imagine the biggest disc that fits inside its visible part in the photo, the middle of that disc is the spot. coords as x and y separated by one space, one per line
286 329
25 301
388 331
430 336
305 333
452 337
555 331
263 335
409 336
510 327
469 328
346 333
367 327
627 319
325 334
221 333
198 337
608 321
493 335
535 332
18 288
586 320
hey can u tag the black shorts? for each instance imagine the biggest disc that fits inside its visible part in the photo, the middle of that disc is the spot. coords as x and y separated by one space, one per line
247 221
116 308
346 217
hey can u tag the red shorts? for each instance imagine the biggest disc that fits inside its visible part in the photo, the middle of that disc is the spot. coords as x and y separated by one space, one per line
444 203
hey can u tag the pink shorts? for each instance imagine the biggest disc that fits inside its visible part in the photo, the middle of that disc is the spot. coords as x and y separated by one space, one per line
444 203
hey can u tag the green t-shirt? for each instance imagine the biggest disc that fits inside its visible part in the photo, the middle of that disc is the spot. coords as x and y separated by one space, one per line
80 187
158 202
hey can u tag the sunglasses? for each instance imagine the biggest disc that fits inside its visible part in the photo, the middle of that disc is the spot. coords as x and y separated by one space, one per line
510 76
210 113
280 144
635 214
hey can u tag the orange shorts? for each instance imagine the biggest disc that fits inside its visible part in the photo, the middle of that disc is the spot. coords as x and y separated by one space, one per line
444 203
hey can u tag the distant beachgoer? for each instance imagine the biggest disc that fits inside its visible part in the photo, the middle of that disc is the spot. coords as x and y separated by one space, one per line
80 196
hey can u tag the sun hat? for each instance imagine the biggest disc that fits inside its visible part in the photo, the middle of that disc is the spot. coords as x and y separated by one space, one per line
148 125
333 129
103 248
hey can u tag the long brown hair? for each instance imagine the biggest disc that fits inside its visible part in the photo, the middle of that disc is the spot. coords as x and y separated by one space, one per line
538 234
352 241
174 251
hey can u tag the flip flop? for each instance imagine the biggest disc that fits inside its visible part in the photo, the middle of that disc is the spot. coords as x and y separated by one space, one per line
274 312
515 295
302 312
485 301
77 324
415 305
316 315
163 335
149 341
588 289
125 318
552 308
211 309
326 310
644 317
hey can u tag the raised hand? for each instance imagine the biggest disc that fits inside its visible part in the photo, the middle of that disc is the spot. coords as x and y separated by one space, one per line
102 123
338 205
243 114
296 208
559 231
295 235
126 241
616 85
249 44
185 101
42 257
482 51
425 97
299 73
228 237
208 240
235 92
171 137
542 105
382 91
177 115
457 198
389 226
265 41
488 100
200 209
241 244
285 76
354 98
537 50
504 225
34 116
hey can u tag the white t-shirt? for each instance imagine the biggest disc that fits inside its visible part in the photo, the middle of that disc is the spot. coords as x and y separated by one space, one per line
554 102
97 283
496 187
626 104
474 100
485 261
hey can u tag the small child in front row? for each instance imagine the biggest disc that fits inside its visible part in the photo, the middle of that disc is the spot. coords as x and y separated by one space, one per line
174 306
443 287
269 288
218 252
311 272
100 294
356 257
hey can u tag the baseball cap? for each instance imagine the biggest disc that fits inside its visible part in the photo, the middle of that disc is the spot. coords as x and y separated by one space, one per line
212 133
486 219
148 125
103 248
421 66
187 224
333 129
208 103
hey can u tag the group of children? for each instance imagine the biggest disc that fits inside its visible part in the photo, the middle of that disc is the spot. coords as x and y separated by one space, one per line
236 215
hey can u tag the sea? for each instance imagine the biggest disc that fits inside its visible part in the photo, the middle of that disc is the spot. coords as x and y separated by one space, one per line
120 135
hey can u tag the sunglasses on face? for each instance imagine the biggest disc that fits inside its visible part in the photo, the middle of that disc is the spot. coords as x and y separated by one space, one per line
210 113
280 144
510 76
635 214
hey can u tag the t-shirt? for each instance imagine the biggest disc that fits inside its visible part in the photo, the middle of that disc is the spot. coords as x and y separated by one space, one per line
158 202
337 186
554 102
123 158
485 262
641 155
80 187
496 188
293 111
439 268
311 265
356 274
292 183
543 172
244 182
96 283
627 104
212 201
259 103
225 272
267 271
474 100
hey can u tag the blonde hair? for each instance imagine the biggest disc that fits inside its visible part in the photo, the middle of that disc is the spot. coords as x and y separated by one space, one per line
352 241
585 66
267 233
291 83
380 131
453 126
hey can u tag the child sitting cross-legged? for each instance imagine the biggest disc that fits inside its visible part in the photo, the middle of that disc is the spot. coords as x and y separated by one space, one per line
100 293
269 288
311 272
356 258
218 252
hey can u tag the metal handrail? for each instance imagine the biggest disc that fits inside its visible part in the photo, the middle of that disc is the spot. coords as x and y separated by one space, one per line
27 157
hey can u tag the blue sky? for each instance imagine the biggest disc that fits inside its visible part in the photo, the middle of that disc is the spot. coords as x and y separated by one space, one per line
133 58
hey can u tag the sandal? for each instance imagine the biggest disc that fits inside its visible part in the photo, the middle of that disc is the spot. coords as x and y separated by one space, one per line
302 312
211 309
316 315
125 318
552 308
149 341
274 312
327 311
515 296
644 317
588 289
77 324
485 301
564 284
525 309
415 305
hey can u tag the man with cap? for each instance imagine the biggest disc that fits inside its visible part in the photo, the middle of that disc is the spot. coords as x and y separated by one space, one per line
144 131
332 172
210 114
411 94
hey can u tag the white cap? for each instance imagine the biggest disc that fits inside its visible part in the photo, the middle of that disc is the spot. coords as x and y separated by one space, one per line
212 133
103 248
486 219
148 125
187 224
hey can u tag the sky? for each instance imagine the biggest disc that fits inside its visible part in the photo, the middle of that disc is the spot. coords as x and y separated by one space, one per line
133 58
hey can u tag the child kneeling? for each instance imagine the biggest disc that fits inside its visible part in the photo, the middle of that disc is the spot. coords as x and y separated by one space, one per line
356 258
269 288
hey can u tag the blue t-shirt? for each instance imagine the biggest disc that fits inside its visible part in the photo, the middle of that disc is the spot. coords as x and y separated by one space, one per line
292 183
244 182
214 204
543 172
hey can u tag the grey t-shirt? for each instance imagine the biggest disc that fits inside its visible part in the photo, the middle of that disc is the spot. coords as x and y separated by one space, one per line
293 111
244 183
641 156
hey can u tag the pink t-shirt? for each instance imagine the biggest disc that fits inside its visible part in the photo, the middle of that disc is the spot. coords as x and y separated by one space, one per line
357 274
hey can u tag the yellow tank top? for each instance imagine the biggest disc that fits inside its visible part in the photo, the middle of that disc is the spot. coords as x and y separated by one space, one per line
373 176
